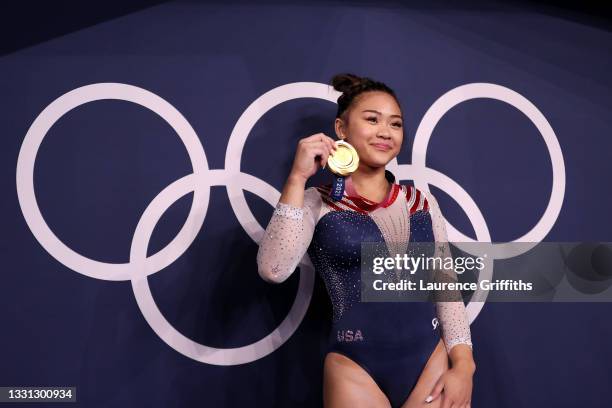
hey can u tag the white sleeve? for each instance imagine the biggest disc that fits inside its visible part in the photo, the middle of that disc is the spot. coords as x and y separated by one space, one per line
450 307
287 237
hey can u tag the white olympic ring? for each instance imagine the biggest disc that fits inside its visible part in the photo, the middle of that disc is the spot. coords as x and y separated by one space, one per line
484 90
199 182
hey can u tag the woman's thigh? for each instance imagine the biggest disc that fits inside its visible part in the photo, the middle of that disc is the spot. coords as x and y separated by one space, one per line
435 367
347 384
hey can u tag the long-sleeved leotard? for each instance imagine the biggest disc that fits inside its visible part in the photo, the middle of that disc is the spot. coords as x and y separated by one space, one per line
391 341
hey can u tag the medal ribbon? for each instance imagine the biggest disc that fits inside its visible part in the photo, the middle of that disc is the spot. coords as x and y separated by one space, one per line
337 190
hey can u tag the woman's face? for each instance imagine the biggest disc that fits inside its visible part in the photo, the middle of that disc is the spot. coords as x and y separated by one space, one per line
374 127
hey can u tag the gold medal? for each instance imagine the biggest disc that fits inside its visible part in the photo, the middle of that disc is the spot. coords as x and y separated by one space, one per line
344 161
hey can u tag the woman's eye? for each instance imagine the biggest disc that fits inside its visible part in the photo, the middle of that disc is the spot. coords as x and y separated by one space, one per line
374 119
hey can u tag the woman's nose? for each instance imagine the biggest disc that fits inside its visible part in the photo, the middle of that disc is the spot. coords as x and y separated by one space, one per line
384 133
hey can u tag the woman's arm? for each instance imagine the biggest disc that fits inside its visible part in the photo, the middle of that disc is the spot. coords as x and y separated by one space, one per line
293 191
457 381
289 232
461 357
291 227
450 306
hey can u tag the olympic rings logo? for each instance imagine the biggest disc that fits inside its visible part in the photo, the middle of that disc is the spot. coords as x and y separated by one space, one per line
199 182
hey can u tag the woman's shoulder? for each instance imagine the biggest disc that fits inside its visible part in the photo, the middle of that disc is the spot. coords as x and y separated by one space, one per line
318 189
312 195
417 199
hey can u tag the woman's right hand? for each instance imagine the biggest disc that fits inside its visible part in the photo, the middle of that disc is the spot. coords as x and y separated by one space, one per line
311 154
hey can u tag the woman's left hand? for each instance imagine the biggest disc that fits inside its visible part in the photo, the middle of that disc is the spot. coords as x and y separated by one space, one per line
457 386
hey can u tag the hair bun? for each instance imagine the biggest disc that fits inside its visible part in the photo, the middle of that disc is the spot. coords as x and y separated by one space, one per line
351 86
345 82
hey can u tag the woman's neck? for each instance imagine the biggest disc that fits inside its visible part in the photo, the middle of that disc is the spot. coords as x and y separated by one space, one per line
371 183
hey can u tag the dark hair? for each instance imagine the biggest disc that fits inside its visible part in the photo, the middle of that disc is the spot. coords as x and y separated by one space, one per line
351 86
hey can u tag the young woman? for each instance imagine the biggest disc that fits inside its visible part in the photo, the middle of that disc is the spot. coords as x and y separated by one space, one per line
380 354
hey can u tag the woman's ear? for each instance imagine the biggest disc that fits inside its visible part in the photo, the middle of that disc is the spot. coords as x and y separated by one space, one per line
339 127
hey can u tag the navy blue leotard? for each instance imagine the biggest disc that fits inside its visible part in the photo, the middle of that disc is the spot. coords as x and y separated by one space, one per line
391 341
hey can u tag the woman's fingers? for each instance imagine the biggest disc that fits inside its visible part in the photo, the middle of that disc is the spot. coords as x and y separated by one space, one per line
450 402
436 391
319 145
326 158
321 138
321 151
317 137
327 148
446 402
332 143
311 151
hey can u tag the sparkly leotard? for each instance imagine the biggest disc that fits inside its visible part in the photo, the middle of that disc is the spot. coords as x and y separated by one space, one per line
391 341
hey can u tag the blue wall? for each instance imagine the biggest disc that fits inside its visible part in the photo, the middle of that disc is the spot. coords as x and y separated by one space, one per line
101 164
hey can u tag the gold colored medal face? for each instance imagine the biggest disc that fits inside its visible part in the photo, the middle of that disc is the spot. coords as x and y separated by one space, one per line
345 160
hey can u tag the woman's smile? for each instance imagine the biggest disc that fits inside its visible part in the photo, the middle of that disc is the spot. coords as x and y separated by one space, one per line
382 146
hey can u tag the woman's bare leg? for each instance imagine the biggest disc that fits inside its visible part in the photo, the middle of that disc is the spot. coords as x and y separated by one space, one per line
346 384
435 367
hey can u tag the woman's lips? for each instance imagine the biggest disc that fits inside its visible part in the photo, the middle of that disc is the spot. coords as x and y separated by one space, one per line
382 146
